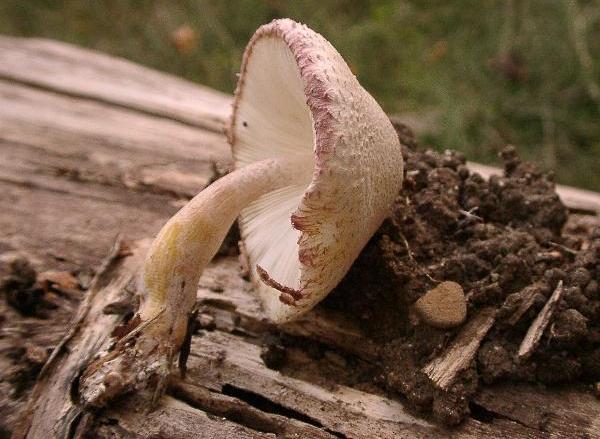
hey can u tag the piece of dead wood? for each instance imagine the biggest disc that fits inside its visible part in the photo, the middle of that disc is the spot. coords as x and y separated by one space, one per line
75 150
527 299
82 166
243 413
173 418
455 358
537 328
229 298
53 409
562 412
74 71
229 364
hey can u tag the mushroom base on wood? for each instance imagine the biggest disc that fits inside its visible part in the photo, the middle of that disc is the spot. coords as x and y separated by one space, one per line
318 165
149 343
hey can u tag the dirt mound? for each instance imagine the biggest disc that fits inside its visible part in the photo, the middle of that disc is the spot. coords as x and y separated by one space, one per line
504 241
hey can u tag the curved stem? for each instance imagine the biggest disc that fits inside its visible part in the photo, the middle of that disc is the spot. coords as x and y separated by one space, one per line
191 238
172 269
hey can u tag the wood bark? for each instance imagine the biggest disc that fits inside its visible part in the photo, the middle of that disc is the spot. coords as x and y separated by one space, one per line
92 146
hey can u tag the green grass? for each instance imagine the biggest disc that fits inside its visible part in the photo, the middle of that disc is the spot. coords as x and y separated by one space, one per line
471 75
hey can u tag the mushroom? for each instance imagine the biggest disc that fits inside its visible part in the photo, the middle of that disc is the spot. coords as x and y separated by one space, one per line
317 168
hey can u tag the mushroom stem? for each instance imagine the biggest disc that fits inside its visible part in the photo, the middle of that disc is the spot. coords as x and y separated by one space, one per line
175 261
191 238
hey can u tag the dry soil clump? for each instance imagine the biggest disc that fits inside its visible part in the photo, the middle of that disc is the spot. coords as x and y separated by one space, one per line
507 244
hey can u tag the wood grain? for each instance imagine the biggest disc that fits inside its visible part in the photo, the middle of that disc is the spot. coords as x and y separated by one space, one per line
72 71
52 409
444 369
111 169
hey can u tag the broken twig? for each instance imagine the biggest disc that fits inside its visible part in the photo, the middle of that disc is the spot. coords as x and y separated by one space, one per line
527 299
444 369
537 328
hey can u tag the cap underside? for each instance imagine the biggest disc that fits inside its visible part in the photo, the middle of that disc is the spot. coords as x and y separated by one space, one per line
273 121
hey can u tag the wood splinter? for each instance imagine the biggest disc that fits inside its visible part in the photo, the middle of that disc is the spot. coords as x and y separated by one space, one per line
537 328
443 370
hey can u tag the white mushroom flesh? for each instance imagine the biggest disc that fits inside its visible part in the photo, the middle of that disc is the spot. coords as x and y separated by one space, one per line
273 120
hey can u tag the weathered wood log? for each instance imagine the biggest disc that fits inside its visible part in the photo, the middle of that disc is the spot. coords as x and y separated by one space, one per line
92 146
53 408
76 72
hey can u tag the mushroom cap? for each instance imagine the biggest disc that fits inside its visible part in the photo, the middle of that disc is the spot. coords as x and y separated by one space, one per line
297 99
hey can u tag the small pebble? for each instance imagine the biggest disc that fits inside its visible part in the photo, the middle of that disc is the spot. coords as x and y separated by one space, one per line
444 306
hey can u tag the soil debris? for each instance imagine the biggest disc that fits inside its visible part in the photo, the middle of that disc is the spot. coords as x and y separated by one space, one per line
507 242
30 293
18 284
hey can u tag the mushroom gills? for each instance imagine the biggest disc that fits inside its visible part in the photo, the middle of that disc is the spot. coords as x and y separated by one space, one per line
273 118
272 241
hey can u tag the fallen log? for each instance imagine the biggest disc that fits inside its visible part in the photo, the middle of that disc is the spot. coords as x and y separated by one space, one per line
83 159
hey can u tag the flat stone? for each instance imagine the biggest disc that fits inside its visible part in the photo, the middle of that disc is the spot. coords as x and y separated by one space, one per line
444 306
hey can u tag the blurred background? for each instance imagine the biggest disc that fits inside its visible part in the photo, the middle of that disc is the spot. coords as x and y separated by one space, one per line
470 75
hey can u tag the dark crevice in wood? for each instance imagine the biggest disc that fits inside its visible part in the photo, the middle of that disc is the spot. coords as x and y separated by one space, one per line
243 413
4 434
76 176
482 414
238 414
336 433
224 304
487 416
74 425
32 185
134 108
266 405
582 211
251 337
184 353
